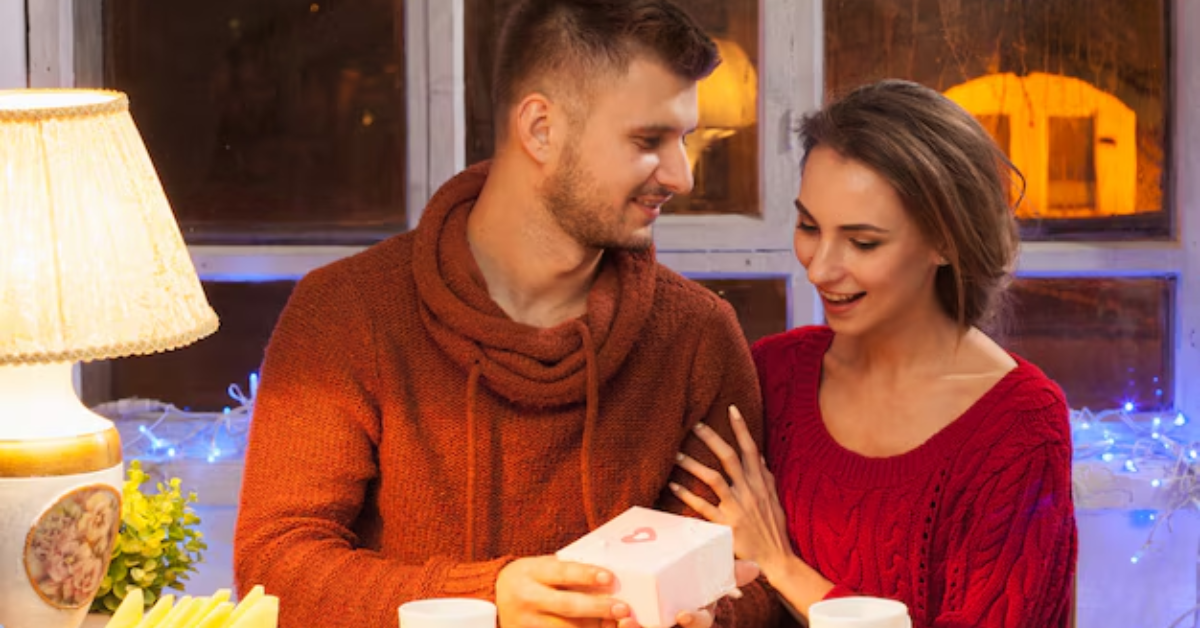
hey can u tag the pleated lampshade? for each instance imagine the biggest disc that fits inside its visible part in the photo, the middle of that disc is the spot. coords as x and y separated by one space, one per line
92 264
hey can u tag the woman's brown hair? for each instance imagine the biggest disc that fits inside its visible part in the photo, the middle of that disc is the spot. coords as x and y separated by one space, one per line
952 178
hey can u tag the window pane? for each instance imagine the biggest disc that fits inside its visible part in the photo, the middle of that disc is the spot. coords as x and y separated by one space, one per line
1106 341
269 121
761 304
1072 90
723 150
198 376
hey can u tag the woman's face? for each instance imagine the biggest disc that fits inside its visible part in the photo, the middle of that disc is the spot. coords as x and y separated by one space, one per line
869 261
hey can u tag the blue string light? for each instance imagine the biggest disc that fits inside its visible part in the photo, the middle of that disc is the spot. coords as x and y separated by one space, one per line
1127 442
165 432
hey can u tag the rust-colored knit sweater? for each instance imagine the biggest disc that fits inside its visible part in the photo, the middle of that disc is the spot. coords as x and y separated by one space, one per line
409 439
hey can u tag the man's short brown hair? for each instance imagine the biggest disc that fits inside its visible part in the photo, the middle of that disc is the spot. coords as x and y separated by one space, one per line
556 45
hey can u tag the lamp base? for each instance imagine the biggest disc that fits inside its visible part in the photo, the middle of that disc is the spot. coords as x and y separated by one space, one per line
58 537
61 476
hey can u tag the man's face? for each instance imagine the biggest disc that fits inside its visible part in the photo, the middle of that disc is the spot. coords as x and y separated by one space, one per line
625 159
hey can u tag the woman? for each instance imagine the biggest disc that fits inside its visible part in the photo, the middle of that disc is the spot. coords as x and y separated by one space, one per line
912 457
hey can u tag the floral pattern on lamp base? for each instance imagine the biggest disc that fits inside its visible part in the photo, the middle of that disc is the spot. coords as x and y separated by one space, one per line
67 551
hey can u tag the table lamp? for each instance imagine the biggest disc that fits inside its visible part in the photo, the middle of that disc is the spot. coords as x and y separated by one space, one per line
92 267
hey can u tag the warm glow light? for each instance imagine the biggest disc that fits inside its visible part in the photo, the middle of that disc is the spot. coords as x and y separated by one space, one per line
92 264
1030 103
728 99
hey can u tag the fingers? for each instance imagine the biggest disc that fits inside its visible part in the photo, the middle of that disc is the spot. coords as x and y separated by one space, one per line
556 573
730 460
773 496
544 591
578 605
697 503
753 465
628 622
741 432
702 618
709 476
745 571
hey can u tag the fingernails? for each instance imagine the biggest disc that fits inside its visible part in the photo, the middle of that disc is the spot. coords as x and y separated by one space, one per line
679 457
620 610
675 488
700 427
603 578
734 413
736 594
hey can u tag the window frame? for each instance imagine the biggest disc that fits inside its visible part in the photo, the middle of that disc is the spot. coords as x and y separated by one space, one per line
64 50
14 70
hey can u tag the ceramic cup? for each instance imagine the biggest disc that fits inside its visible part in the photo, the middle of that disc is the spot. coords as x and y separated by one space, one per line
858 612
448 613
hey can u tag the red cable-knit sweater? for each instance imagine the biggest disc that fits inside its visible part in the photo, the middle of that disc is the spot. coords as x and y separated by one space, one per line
975 527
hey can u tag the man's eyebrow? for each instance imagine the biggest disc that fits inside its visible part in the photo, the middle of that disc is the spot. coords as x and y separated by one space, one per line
857 227
661 129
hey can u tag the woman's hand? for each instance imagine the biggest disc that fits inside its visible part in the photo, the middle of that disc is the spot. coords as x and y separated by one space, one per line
750 506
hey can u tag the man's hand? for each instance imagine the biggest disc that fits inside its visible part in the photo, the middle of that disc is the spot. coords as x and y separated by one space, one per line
544 592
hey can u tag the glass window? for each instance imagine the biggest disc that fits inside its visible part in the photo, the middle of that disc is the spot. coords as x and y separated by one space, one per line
198 376
1073 90
1105 341
723 150
269 121
761 304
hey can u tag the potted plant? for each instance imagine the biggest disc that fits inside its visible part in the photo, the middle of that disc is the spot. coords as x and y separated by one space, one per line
158 544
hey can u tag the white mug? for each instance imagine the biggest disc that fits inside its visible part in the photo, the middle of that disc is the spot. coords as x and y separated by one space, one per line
449 612
858 612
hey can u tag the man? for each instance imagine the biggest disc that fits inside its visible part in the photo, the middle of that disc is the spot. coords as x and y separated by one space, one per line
442 412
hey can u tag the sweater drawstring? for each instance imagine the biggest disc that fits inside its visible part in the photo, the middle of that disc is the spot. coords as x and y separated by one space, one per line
591 413
472 489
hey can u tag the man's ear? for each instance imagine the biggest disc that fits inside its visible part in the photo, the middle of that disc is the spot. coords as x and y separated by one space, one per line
532 117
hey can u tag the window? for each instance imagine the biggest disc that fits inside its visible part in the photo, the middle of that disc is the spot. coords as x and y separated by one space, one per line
1077 92
197 376
761 304
279 121
1106 341
1083 84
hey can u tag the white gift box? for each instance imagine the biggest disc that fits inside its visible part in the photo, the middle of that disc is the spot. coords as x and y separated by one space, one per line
663 563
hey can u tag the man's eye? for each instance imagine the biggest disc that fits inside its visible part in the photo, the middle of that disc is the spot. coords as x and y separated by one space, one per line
647 143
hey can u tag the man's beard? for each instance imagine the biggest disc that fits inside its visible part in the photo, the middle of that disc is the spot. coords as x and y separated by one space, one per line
573 199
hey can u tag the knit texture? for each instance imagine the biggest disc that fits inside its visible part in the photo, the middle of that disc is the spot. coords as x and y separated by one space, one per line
975 527
409 439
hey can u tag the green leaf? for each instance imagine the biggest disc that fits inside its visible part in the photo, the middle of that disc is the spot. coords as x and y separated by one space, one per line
158 545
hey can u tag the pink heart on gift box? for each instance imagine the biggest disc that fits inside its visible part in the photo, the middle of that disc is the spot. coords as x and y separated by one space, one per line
640 535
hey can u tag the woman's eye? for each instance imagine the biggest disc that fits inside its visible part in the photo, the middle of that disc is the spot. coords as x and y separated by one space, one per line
864 246
806 227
